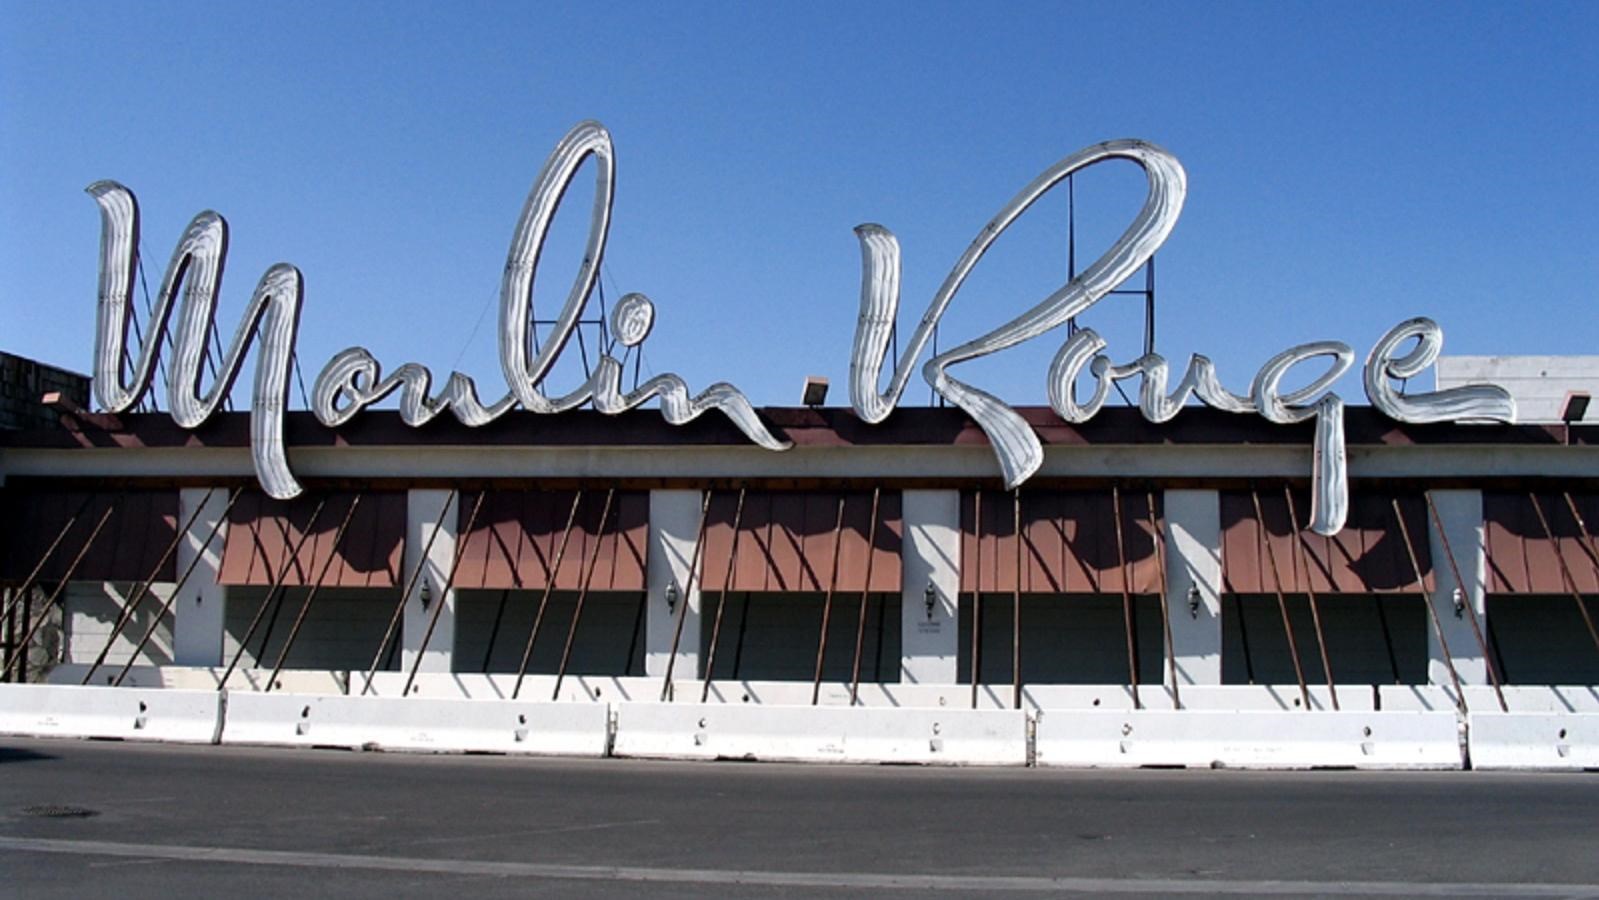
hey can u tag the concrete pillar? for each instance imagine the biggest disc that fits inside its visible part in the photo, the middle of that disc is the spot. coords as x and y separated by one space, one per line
930 558
1461 514
422 513
1193 572
200 612
674 527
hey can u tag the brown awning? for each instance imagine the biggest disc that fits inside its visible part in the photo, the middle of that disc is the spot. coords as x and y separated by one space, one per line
1367 556
1521 558
141 527
1068 543
263 534
786 541
517 535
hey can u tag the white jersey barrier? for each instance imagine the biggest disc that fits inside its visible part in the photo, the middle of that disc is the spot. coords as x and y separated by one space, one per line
417 724
1534 740
1248 739
135 714
1520 698
207 678
1214 697
821 734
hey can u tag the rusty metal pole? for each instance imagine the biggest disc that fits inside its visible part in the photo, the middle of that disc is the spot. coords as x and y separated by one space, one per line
55 595
1470 607
1582 528
977 595
544 600
10 634
1565 571
1127 595
494 633
310 597
177 588
583 592
1243 639
694 559
721 602
827 604
272 590
444 589
1432 612
143 588
1302 561
1016 609
1165 605
393 628
866 593
1282 599
738 644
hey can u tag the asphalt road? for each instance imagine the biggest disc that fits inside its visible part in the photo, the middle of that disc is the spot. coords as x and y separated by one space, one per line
108 819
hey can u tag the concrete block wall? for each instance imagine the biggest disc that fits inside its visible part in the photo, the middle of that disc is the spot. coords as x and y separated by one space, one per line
1065 640
91 613
341 630
781 633
1543 639
1538 383
1354 627
23 381
609 638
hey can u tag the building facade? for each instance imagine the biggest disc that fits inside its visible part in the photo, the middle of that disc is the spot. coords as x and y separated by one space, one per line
608 561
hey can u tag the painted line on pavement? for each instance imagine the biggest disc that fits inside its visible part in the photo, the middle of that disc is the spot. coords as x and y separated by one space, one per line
857 880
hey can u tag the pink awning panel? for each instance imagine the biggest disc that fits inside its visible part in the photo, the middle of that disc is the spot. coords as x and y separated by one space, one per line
516 540
128 547
1367 556
268 539
1521 557
786 541
1067 543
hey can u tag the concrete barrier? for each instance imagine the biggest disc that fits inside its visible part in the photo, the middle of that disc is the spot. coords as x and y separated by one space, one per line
1215 697
500 686
837 693
1519 740
135 714
206 678
1248 739
821 734
1521 698
417 724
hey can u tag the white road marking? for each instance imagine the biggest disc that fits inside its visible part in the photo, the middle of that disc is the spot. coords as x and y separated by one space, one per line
846 880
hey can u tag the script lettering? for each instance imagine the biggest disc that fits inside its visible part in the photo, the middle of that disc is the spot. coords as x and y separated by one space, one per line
273 315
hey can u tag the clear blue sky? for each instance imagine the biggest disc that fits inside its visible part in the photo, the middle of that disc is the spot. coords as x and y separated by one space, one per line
1349 166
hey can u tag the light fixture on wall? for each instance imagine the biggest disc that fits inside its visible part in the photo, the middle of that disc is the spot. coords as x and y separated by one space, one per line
671 598
930 597
1193 600
426 594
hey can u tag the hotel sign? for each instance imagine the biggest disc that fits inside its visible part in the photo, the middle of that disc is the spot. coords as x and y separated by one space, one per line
353 379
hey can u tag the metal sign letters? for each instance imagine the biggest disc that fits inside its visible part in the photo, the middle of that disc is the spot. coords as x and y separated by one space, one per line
354 379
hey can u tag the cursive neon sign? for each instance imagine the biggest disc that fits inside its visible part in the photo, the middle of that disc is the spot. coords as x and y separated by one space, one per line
353 379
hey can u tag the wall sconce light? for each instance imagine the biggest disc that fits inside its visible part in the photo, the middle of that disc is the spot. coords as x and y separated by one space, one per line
1460 603
1193 601
671 598
426 594
930 597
